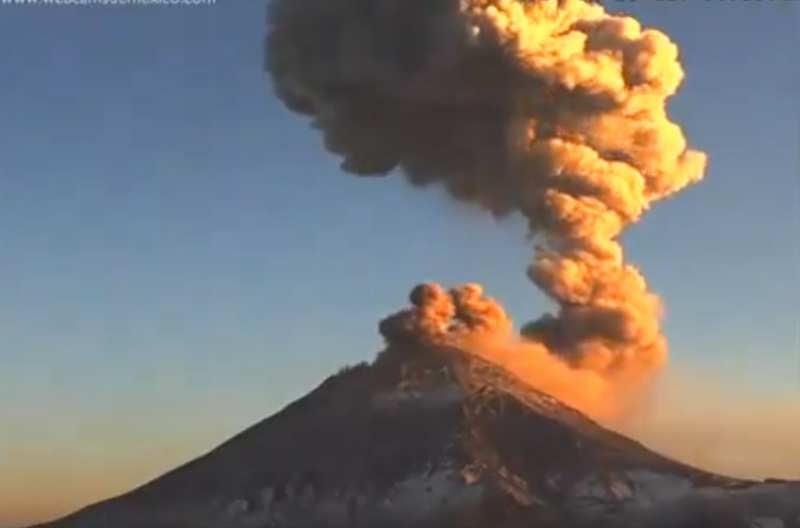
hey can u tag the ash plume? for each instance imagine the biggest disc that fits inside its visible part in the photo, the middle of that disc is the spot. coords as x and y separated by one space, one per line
554 109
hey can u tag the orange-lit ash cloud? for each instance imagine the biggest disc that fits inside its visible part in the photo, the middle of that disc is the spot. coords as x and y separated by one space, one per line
554 109
466 319
728 426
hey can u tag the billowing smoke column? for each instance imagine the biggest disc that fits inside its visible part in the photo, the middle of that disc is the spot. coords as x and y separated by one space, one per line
552 108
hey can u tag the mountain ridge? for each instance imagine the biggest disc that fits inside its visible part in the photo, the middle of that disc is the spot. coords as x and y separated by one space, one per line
436 438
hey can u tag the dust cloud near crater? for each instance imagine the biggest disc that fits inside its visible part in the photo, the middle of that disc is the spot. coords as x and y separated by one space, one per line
555 109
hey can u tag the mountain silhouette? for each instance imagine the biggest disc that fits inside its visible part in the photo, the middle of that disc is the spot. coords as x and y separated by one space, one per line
438 438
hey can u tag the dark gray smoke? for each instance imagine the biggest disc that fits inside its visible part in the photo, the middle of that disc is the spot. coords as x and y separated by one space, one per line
552 108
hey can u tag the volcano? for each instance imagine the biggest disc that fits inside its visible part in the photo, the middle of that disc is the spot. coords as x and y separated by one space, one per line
438 438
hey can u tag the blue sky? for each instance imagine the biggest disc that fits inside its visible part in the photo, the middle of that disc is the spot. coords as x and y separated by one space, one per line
180 257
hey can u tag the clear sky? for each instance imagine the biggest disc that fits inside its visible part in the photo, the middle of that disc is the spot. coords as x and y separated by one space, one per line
179 257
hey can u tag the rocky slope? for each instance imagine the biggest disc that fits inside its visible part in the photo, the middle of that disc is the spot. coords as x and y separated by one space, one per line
438 440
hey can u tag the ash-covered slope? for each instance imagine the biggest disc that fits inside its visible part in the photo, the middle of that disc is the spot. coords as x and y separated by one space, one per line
437 440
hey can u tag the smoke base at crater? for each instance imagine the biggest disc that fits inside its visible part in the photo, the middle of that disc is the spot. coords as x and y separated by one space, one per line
553 109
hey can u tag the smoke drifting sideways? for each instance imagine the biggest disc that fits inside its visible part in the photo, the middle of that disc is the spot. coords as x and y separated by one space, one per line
466 319
554 109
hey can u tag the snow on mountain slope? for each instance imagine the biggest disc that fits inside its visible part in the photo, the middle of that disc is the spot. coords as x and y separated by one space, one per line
438 440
